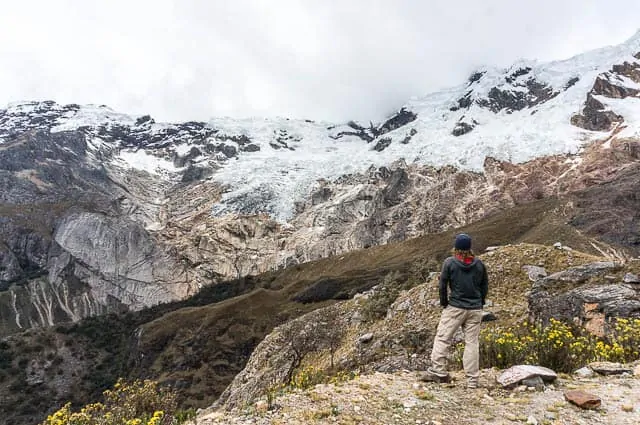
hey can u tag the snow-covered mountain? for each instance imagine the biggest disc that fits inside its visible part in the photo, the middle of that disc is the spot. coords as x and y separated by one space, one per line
267 164
103 211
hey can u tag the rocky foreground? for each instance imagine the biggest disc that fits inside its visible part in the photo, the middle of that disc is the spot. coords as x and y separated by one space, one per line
400 398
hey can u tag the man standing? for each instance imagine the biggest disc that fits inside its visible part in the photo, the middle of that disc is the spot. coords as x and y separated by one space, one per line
466 277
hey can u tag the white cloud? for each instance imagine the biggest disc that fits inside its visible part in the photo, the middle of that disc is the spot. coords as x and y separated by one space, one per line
335 60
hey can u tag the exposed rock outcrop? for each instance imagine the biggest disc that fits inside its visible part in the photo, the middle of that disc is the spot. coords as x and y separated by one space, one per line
515 100
618 83
586 296
595 116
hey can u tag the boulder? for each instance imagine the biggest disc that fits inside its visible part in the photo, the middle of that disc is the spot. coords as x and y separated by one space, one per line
516 374
609 368
583 399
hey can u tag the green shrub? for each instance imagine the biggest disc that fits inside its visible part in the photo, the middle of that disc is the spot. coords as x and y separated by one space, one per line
135 403
557 346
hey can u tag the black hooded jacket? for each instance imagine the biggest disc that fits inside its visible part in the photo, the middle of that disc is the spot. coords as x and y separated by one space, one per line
468 284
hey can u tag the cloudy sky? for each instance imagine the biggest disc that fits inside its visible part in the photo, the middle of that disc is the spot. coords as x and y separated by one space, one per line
322 59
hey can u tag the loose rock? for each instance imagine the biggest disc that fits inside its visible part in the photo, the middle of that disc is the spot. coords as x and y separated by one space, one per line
583 399
535 383
516 374
366 338
488 316
535 272
584 372
262 406
631 278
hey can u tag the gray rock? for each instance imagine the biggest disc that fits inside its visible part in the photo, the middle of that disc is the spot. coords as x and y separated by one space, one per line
584 372
366 338
579 295
534 382
535 272
517 374
531 420
488 316
631 278
609 368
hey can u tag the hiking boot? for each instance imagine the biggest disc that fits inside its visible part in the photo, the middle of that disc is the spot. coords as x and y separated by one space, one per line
428 376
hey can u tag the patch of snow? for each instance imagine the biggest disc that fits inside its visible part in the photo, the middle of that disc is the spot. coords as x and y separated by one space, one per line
92 116
141 160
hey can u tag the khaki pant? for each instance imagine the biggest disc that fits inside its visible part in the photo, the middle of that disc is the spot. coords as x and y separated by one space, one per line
452 318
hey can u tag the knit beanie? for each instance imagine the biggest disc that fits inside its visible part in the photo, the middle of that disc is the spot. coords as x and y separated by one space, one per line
463 242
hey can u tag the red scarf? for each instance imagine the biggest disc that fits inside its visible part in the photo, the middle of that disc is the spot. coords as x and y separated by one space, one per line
465 260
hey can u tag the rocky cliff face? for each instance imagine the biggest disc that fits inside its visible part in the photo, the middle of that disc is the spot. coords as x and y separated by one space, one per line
74 242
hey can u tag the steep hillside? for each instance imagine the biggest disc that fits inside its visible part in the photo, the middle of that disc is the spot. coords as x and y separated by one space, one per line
202 343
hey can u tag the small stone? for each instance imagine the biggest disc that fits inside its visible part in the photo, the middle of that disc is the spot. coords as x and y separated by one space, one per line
356 409
488 316
535 272
631 278
583 399
636 371
262 406
550 416
531 420
521 388
408 404
584 372
366 338
557 245
511 417
627 407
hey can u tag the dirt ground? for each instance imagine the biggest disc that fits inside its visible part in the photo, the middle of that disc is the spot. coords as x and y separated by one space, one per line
400 398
